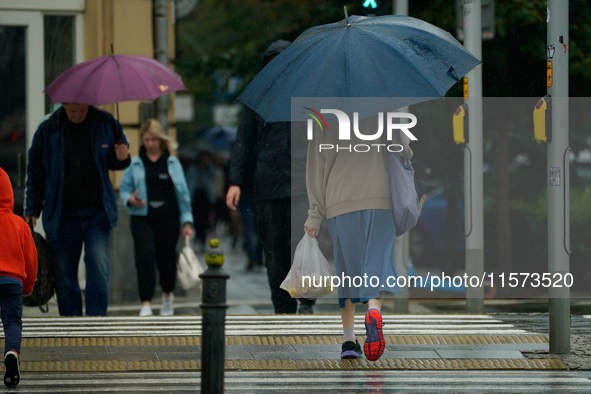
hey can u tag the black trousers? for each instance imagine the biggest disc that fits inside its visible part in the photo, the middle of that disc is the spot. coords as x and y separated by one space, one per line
202 215
274 229
155 246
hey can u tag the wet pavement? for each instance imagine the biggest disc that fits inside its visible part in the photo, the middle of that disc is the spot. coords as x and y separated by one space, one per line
329 382
436 348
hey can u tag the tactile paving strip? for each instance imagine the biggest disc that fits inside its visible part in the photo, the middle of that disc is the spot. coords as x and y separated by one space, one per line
392 340
245 365
285 340
337 364
424 364
110 341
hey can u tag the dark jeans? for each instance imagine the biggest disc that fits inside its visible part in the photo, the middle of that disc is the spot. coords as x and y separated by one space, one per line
91 228
155 246
11 305
274 229
247 216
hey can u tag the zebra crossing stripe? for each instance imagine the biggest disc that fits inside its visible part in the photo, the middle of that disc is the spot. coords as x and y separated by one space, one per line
544 382
125 326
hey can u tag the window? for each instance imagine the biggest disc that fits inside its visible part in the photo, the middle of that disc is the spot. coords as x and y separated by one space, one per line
59 44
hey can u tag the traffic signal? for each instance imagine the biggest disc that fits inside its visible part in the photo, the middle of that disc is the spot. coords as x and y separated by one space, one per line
372 7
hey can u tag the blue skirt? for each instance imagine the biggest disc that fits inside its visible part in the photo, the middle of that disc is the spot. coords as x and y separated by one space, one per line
363 243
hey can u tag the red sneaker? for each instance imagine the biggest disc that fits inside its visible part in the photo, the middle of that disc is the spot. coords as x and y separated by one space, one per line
374 341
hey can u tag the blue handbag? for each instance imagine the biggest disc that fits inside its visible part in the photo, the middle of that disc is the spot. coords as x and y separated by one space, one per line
407 193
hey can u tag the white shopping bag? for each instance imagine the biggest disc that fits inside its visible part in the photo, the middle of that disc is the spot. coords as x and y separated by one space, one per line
189 268
309 276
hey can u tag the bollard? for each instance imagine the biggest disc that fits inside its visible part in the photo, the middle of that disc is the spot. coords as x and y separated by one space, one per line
213 309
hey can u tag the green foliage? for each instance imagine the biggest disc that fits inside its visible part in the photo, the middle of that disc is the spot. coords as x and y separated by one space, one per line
514 65
580 228
532 219
515 60
229 37
529 228
580 48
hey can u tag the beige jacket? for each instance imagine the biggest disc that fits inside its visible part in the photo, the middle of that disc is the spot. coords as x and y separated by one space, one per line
347 180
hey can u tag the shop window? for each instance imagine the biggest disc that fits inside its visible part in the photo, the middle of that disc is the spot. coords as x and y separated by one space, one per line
59 44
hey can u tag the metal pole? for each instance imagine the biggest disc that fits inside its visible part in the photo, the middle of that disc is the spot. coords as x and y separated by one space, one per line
161 51
213 323
473 179
401 244
400 7
558 173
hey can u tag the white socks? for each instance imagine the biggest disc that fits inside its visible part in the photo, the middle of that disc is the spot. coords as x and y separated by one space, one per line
349 334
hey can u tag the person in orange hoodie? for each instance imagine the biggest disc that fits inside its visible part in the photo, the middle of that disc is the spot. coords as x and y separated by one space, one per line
18 271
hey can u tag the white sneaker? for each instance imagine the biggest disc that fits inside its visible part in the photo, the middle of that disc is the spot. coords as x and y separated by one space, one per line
146 310
167 308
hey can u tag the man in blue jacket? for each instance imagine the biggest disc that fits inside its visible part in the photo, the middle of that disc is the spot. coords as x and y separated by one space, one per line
68 179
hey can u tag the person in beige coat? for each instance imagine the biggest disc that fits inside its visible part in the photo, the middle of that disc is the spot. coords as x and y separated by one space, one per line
348 185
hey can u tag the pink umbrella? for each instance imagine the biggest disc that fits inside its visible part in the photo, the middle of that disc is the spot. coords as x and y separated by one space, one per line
114 78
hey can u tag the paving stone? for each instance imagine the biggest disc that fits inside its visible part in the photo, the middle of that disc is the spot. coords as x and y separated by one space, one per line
111 357
269 348
183 356
295 356
410 354
34 355
152 349
318 348
479 354
516 346
69 349
415 348
241 352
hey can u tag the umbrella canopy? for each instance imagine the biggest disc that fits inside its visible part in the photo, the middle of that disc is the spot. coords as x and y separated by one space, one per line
114 78
220 137
387 56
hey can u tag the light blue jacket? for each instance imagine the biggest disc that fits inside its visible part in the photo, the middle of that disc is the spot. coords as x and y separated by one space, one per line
134 178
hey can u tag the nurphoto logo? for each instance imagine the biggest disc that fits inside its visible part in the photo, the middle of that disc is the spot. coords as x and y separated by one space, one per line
344 132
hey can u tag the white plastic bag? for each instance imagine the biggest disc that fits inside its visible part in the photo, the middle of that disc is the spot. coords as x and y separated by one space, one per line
309 276
189 268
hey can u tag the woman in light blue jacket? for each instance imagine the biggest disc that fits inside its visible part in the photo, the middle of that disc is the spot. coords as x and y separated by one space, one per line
154 190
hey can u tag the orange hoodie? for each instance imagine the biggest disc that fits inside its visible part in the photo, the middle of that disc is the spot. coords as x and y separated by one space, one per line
18 255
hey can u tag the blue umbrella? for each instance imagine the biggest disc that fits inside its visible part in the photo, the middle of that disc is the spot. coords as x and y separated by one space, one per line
388 56
220 137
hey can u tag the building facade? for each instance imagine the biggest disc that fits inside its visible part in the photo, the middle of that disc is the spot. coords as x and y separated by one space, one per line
39 39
